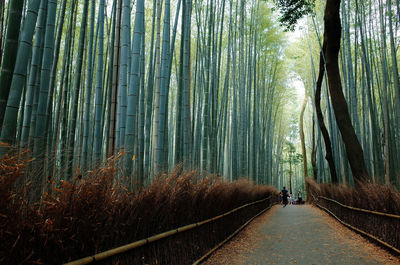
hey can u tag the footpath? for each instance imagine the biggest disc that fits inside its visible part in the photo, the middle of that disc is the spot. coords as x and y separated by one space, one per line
299 234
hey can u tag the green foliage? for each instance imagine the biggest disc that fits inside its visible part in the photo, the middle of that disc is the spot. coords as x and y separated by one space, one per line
293 157
292 11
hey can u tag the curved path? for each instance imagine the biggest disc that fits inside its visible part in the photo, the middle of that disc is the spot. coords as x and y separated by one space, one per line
299 235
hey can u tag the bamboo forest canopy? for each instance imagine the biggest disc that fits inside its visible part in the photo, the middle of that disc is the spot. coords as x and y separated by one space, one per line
215 85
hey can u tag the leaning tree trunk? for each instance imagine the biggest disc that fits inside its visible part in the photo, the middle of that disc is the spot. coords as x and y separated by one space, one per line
324 131
332 41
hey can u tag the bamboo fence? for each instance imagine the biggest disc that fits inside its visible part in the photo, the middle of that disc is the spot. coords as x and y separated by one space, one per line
381 227
137 244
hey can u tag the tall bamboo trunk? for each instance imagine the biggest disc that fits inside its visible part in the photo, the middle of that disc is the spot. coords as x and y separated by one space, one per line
10 53
160 161
9 126
134 86
88 92
115 79
157 86
2 3
76 89
98 130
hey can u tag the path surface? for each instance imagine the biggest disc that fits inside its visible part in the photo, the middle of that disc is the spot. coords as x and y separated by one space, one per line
299 235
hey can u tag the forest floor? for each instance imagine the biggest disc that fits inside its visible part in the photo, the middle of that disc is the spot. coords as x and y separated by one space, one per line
299 234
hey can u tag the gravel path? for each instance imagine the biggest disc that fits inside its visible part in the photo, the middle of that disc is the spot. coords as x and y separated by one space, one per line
299 235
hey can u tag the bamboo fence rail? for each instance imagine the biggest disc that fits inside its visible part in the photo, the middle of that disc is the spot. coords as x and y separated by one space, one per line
208 254
361 210
136 244
381 230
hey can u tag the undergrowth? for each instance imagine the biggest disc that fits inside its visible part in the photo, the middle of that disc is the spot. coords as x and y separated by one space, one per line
369 196
85 216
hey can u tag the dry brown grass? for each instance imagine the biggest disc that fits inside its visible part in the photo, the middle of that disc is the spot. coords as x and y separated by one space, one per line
90 215
375 197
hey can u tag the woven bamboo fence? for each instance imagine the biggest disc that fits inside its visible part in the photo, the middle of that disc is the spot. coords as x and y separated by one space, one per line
183 245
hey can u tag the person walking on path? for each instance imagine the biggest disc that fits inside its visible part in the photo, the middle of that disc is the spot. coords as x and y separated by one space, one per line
299 197
284 196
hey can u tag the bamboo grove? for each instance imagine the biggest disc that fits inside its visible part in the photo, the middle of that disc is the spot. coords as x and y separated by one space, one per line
368 62
161 83
207 85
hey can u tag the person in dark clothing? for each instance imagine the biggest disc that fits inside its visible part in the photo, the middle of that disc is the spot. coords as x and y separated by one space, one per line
284 196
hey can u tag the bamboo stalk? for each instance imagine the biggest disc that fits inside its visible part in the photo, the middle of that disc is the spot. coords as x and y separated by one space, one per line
136 244
361 210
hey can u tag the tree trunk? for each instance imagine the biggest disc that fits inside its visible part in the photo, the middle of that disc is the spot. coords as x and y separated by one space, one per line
314 152
303 144
324 131
332 40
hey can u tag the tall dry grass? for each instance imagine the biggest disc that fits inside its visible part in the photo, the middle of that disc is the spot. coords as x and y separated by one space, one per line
90 215
375 197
